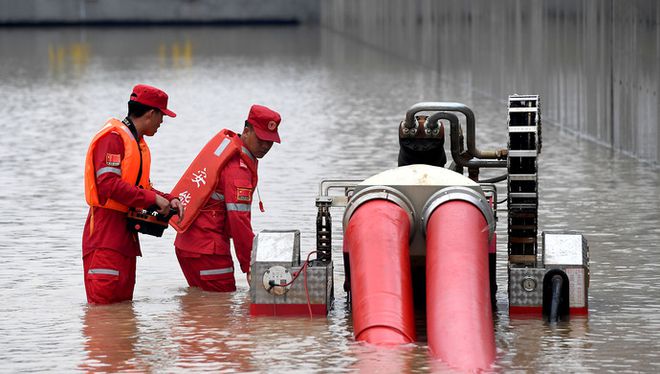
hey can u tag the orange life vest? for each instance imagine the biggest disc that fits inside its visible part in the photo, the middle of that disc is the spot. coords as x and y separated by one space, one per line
199 181
130 165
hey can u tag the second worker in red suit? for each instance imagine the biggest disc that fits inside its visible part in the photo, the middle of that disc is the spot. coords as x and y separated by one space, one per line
116 180
203 250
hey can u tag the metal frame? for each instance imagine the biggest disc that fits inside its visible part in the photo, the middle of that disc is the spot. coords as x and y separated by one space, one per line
524 127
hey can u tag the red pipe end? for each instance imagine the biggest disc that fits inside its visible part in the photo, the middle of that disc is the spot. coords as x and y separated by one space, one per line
383 335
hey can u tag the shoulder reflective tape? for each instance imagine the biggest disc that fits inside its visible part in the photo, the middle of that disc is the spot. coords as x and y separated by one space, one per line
128 131
108 169
217 196
217 271
247 152
221 147
104 271
238 207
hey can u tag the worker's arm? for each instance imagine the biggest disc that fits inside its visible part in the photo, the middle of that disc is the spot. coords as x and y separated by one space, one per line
173 202
238 189
108 175
169 197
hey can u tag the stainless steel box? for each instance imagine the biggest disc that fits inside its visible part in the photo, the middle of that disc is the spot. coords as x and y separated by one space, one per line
565 248
277 247
568 251
274 288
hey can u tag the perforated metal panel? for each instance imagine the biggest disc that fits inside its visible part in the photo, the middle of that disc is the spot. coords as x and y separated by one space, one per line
518 296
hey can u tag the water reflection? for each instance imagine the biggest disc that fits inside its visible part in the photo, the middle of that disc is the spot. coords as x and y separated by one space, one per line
546 345
372 359
181 55
207 330
110 335
69 58
213 331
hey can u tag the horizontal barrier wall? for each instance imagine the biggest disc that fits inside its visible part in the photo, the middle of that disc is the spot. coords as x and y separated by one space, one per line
62 12
595 63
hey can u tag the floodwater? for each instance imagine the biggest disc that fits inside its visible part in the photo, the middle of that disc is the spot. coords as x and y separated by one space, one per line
341 103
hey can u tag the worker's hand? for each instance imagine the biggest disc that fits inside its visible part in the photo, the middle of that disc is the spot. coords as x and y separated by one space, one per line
163 205
176 204
249 278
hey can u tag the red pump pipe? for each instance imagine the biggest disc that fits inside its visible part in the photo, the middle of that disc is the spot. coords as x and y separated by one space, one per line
377 238
459 318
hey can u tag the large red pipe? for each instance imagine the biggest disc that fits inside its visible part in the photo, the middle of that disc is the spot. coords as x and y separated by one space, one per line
377 238
459 318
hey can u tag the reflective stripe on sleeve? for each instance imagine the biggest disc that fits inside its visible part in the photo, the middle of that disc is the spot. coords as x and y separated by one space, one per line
108 169
104 271
221 147
217 271
247 152
238 207
217 196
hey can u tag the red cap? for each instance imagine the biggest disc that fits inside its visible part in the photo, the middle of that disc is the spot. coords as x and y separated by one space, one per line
153 97
265 123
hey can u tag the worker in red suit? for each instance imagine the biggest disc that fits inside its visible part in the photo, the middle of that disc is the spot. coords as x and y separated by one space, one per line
203 250
117 179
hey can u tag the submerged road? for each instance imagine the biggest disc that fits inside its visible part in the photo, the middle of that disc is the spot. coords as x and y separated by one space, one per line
341 103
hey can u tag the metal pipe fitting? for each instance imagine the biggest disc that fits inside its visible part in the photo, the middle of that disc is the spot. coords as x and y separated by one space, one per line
462 159
459 193
381 193
470 125
409 129
431 127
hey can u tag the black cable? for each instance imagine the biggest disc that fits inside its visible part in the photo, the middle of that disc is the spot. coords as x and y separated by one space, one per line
499 178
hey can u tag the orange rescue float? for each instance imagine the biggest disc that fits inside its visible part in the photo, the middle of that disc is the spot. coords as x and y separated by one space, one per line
199 180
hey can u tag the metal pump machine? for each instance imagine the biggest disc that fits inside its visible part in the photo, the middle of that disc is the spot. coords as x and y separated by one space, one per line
551 280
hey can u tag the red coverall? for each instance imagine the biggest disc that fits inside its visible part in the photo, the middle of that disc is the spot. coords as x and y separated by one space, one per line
203 250
110 250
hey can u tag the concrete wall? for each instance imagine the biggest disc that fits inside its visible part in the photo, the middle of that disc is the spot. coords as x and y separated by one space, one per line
25 12
595 63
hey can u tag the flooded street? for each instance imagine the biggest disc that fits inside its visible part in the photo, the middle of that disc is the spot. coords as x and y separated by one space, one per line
341 103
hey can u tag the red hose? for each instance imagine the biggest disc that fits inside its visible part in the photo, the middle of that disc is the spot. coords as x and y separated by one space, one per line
459 318
377 238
